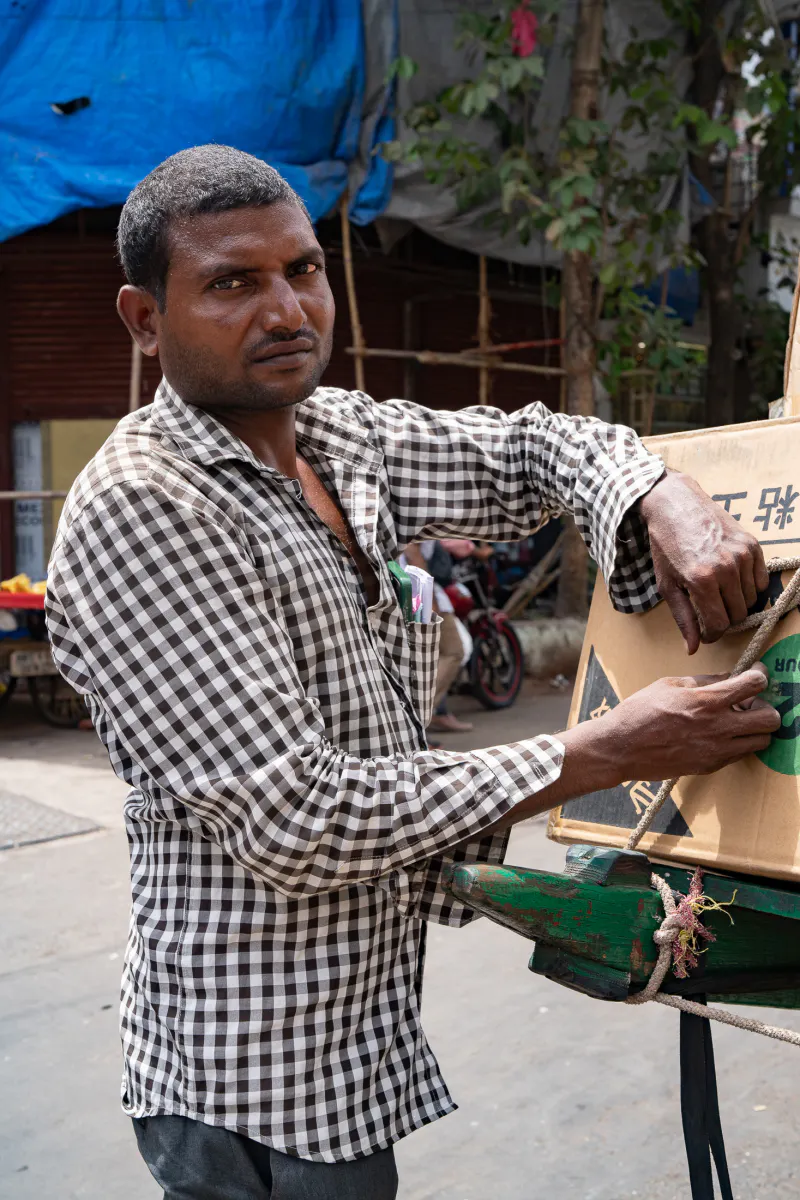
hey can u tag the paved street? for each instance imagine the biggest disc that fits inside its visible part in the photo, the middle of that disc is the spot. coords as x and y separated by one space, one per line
561 1097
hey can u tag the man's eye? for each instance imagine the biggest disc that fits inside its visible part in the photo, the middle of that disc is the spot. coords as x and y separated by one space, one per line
307 268
228 285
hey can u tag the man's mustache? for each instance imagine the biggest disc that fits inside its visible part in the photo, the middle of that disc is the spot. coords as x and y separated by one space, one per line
273 339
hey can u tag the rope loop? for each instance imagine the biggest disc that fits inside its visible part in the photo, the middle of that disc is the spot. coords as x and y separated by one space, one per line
665 937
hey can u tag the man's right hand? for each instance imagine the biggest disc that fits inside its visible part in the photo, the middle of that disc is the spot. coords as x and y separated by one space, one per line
691 725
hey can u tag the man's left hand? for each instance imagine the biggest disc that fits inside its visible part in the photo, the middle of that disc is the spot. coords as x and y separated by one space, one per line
708 569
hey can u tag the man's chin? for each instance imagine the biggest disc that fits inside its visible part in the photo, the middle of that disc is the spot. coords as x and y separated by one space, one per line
288 390
282 387
257 396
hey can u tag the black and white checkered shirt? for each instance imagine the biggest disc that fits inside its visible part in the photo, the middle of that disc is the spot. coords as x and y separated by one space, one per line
287 824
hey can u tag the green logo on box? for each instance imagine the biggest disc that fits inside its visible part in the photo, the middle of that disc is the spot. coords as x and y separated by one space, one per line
783 664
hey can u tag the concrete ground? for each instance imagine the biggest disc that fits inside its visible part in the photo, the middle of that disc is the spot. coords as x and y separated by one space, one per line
562 1098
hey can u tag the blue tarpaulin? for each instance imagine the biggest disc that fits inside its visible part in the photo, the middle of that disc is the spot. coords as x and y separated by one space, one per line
282 79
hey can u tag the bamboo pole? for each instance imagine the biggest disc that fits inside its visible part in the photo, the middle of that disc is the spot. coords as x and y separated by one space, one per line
505 347
357 333
434 358
539 578
33 495
135 384
484 319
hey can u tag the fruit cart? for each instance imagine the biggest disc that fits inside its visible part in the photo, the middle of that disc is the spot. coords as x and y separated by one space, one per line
25 655
24 651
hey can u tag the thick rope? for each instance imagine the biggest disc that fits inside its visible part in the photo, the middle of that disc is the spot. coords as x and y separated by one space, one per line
673 923
664 937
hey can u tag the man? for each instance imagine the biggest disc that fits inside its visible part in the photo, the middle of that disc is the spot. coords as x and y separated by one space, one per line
219 594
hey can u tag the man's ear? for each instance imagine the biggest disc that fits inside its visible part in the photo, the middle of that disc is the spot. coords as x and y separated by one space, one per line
138 309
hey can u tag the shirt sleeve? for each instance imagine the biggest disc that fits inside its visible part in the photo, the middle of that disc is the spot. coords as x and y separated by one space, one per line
158 615
484 474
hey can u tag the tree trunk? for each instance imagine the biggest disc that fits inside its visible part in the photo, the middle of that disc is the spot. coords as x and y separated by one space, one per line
577 289
715 241
721 272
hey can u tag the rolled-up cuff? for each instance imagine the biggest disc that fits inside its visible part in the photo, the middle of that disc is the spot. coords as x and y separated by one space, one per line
623 547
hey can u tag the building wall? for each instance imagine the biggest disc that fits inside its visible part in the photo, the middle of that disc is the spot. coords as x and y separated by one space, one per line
65 355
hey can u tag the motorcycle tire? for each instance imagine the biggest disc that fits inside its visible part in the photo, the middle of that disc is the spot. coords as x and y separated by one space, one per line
55 702
497 666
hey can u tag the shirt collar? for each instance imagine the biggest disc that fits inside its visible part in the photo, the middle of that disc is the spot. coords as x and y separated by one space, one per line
325 422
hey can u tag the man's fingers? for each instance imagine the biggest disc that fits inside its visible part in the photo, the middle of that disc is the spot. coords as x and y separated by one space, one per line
760 572
761 718
685 617
723 595
743 747
747 575
695 681
707 599
741 687
732 589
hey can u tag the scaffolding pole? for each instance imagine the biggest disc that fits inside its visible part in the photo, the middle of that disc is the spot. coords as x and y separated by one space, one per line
358 348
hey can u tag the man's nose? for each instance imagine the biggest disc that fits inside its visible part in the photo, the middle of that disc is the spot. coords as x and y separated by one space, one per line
281 308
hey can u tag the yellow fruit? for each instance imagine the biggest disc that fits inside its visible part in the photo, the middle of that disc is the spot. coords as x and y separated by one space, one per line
17 583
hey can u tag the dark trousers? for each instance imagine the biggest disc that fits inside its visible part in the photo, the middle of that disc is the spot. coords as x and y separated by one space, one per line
193 1161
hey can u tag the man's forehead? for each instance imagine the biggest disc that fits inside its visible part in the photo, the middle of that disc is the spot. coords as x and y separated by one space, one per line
279 231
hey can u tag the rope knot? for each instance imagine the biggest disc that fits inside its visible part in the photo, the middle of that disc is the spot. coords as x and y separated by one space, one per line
686 949
679 934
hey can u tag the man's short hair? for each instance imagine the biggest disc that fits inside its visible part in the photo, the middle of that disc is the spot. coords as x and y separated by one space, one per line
203 179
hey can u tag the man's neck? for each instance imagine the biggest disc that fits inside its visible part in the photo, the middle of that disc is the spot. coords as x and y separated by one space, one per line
270 435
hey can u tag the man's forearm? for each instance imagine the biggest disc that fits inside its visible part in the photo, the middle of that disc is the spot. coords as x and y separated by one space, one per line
591 762
689 725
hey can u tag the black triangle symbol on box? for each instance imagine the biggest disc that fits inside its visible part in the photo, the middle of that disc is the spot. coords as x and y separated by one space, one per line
619 807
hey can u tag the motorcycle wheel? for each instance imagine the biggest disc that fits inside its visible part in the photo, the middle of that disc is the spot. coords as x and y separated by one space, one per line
497 666
56 702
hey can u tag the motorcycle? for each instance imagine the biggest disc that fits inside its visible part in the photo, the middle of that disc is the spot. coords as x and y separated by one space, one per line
497 666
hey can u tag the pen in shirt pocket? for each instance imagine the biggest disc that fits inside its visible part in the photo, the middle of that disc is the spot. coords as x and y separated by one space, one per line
421 595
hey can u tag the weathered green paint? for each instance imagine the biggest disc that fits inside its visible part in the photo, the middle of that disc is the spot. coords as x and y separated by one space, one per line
777 899
782 999
617 868
593 925
588 919
581 974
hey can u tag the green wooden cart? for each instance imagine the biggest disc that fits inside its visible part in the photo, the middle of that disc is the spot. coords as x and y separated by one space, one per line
592 927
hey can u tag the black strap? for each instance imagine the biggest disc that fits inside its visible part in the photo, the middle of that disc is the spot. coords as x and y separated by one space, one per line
702 1128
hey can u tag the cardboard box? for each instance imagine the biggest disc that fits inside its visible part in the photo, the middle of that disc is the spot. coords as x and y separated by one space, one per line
746 817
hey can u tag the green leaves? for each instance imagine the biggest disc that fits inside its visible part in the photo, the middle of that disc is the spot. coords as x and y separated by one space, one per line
403 67
643 337
604 192
608 275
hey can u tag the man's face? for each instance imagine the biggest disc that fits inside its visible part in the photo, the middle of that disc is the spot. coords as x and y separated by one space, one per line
248 319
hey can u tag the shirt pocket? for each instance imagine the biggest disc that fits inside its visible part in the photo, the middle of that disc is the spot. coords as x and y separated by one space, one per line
423 645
